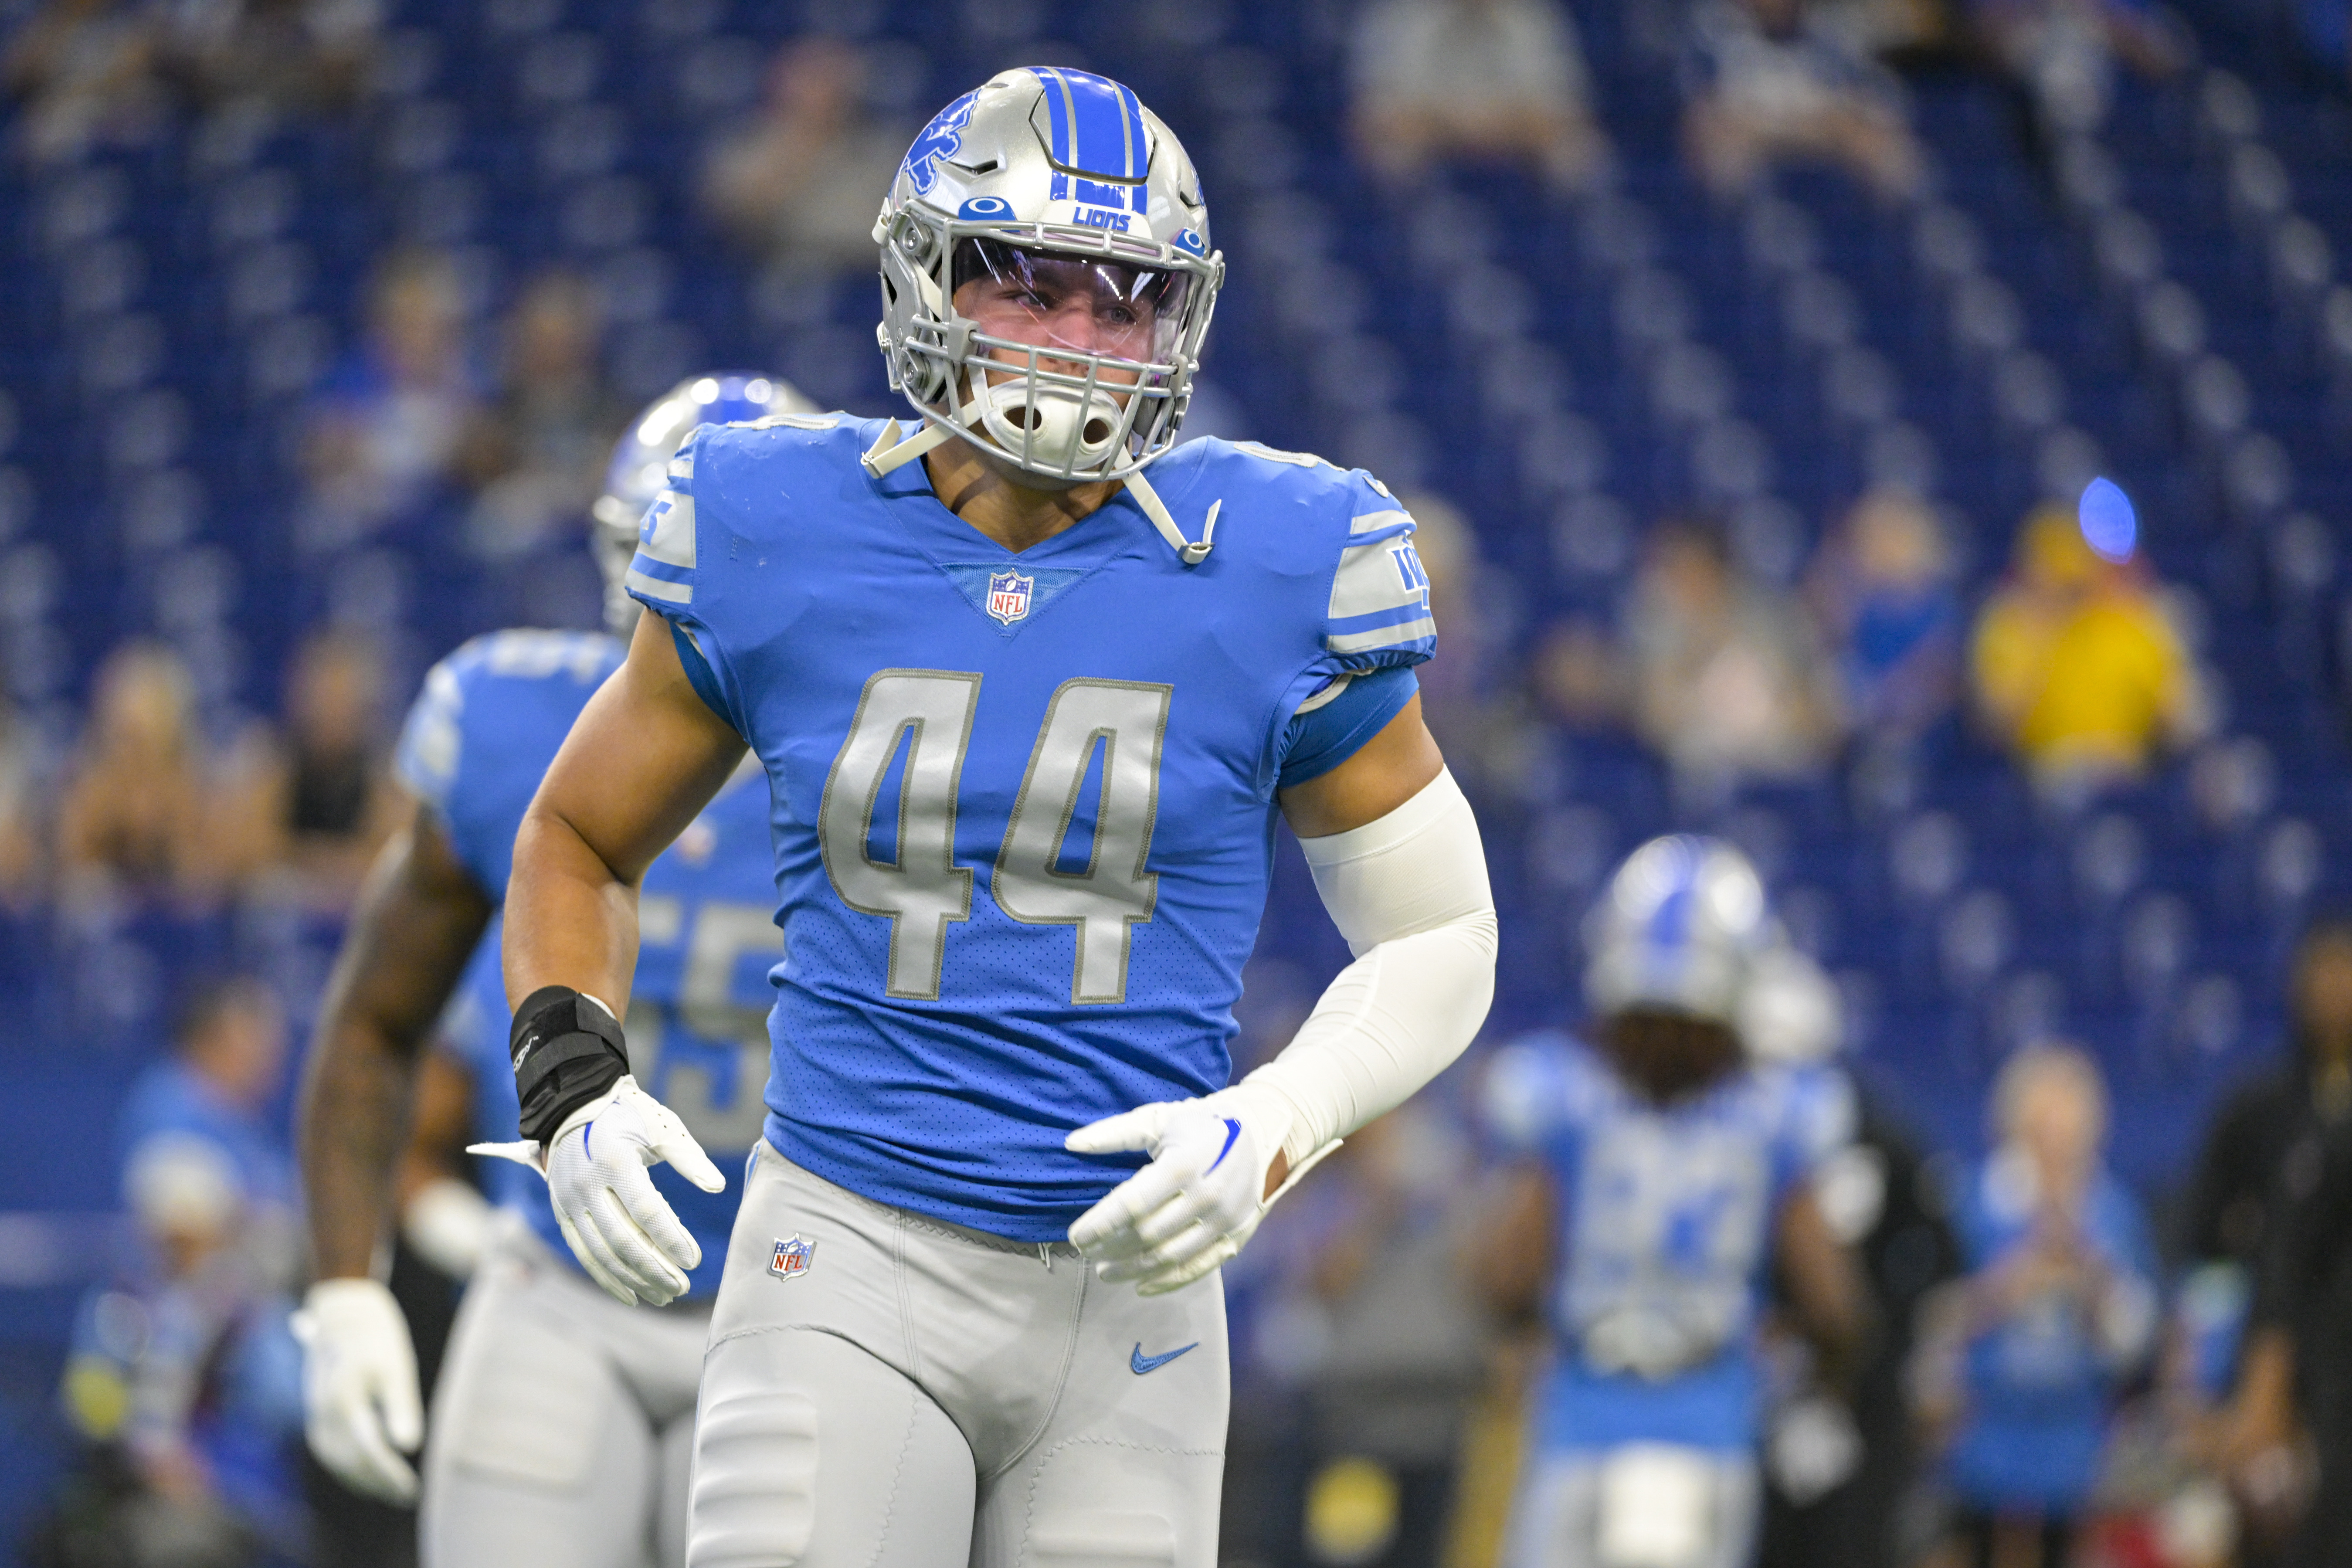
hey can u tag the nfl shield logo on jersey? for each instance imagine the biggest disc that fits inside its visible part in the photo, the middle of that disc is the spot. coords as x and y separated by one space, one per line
1008 596
790 1259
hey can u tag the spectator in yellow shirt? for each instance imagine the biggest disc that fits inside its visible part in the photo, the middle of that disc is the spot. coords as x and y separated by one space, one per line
2075 664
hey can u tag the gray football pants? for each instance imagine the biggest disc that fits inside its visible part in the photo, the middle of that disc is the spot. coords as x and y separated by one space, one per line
563 1424
921 1396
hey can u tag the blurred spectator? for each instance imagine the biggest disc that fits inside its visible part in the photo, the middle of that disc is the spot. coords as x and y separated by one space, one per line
1577 679
2075 664
148 810
290 54
85 71
2021 1360
1474 81
2270 1205
1728 679
1882 590
2233 1204
2061 55
205 1400
384 429
332 802
800 183
1765 86
2289 1446
1906 33
1468 695
538 457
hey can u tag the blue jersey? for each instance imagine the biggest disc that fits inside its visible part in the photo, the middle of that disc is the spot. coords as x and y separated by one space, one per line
2039 1383
1667 1218
1024 803
489 723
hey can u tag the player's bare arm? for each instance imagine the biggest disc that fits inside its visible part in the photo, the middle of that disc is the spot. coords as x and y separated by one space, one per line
1393 766
417 918
647 754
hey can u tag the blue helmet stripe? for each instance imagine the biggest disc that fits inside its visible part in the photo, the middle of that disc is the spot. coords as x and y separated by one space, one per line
1094 126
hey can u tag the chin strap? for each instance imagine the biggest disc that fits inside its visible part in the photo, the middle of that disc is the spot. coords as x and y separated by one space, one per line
1189 552
889 452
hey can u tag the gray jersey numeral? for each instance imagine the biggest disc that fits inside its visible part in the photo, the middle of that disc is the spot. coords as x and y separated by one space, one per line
1113 893
921 890
722 933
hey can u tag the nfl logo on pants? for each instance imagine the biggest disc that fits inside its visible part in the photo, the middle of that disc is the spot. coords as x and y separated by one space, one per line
791 1258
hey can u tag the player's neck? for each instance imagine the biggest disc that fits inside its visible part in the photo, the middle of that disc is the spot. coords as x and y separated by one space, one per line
979 493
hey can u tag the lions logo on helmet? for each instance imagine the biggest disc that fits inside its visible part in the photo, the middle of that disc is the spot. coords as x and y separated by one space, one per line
1044 186
640 463
1679 930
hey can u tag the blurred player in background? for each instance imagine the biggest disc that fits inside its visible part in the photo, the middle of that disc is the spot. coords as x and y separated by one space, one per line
1028 735
561 1429
1669 1183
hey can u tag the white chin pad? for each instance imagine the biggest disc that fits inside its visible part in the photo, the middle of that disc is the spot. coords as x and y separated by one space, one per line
1062 428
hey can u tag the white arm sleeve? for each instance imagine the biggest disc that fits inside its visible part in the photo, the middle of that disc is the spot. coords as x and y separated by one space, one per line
1408 892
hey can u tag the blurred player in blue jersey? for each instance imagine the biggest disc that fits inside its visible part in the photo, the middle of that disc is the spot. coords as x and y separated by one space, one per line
1668 1182
562 1424
1029 720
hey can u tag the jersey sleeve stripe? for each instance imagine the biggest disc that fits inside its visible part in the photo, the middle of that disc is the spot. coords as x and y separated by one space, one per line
668 535
1384 637
661 571
1384 575
1380 521
648 587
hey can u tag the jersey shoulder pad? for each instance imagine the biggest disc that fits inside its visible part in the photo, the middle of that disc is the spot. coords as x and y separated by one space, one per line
716 469
1355 535
471 697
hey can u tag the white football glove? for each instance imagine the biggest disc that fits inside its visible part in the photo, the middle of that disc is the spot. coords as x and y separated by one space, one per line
1200 1199
360 1404
615 1220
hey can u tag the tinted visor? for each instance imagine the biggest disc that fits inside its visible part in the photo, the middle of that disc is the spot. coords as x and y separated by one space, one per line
1086 304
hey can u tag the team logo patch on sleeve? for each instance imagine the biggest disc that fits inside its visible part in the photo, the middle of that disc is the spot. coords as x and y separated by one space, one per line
1008 596
791 1258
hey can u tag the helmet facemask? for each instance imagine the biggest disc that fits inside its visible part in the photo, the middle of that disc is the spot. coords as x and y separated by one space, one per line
1067 352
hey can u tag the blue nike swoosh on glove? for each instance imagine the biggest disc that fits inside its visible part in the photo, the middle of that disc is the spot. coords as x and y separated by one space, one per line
1232 1131
1140 1364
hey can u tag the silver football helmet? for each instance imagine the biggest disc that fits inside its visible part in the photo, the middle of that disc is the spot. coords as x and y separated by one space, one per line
1680 929
1046 275
641 463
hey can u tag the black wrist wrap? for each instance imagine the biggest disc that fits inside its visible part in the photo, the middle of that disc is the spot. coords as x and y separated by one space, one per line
566 1051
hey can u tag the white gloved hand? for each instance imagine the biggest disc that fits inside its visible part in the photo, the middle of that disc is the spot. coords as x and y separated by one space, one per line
614 1219
1200 1198
362 1406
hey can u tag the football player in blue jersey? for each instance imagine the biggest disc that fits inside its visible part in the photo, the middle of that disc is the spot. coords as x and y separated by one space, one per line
561 1427
1666 1181
1029 720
